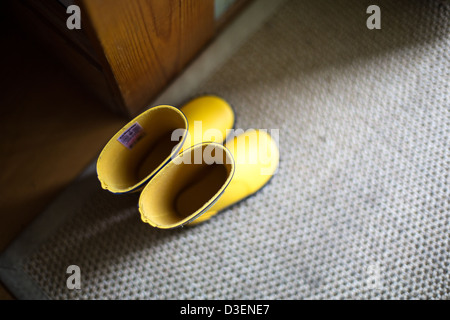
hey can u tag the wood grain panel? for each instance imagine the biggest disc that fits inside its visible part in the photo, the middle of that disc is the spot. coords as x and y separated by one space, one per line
143 44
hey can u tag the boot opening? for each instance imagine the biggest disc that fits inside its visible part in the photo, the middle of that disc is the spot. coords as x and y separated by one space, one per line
121 168
180 192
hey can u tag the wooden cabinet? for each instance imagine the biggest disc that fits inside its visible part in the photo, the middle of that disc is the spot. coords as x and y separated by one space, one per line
127 51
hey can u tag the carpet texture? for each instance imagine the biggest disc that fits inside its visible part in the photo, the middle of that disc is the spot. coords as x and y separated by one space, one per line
360 205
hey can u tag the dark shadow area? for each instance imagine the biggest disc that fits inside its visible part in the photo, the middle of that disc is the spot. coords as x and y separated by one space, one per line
52 128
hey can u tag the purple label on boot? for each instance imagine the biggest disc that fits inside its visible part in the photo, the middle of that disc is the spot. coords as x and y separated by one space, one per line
131 135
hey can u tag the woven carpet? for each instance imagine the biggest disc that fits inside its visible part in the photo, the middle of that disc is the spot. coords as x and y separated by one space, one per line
360 205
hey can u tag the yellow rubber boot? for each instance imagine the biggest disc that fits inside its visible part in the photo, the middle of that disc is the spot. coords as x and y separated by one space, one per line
192 188
209 117
148 142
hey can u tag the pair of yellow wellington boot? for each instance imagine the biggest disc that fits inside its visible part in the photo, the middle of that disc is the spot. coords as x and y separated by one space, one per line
179 161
